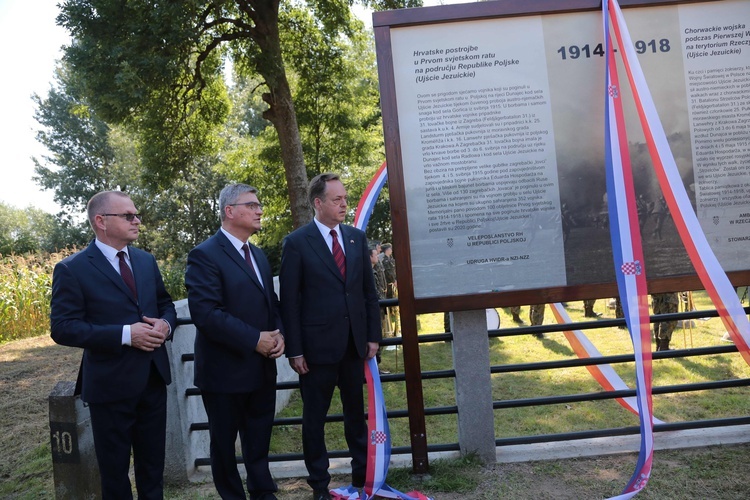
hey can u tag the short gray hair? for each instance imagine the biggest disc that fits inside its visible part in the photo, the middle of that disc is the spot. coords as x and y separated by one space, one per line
230 194
99 203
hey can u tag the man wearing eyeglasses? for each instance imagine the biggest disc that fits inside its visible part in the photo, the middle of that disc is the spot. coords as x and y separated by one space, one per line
110 300
235 310
332 319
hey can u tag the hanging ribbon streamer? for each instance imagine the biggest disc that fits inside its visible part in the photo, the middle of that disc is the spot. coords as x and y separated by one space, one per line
378 446
379 435
369 197
706 265
628 257
605 375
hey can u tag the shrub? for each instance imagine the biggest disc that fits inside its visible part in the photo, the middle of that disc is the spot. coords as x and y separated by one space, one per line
25 290
173 274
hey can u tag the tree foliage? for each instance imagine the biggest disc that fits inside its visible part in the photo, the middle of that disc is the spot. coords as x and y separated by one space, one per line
151 65
333 82
156 61
86 155
31 230
150 113
78 145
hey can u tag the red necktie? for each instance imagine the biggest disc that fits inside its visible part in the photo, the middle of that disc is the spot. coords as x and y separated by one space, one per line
246 250
127 274
338 253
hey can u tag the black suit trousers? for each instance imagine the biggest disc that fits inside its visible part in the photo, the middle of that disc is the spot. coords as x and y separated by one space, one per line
251 415
139 422
317 388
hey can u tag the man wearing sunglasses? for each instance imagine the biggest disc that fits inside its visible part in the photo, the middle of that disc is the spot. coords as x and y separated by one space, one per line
235 310
110 300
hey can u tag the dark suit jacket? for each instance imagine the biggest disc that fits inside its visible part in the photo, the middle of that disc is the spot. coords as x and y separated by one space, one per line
90 305
230 309
318 306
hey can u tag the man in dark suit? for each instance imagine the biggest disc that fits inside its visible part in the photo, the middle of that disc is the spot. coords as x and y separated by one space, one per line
235 310
110 300
332 323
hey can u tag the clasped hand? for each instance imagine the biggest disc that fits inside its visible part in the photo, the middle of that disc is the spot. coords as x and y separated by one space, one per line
270 344
149 334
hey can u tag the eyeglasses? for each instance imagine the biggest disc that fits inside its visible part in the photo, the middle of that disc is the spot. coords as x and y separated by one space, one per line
252 205
127 217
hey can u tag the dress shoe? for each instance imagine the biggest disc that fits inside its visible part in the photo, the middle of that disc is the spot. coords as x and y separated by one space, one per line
321 495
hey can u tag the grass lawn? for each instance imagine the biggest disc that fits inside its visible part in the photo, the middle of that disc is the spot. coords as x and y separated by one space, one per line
550 419
30 368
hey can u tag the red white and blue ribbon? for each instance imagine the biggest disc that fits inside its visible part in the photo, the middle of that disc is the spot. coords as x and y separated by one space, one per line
369 197
628 251
378 432
378 447
706 265
605 375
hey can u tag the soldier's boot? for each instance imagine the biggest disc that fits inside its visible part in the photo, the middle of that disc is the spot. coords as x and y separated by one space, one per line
663 345
515 311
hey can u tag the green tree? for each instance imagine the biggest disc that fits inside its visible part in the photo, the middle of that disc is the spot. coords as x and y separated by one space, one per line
333 81
31 230
155 60
86 156
78 146
338 105
15 234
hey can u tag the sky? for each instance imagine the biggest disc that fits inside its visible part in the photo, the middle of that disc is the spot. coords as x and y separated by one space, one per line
29 54
28 51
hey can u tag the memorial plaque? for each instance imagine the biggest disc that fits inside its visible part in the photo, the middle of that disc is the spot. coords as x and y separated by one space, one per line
499 127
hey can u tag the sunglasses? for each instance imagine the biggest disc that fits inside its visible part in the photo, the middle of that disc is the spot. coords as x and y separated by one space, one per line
127 217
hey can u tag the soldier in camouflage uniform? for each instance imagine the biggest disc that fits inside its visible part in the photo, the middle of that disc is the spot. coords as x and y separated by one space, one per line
619 313
380 287
588 308
389 266
664 303
515 311
377 271
536 317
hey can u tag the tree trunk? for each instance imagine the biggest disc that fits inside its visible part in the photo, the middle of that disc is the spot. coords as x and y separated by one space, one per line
285 123
281 112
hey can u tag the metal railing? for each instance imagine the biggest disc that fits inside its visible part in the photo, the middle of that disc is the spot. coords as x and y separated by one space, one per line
536 401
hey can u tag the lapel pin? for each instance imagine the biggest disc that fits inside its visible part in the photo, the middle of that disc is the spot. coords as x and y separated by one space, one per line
351 241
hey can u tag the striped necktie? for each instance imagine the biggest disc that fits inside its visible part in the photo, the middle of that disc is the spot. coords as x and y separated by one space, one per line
338 253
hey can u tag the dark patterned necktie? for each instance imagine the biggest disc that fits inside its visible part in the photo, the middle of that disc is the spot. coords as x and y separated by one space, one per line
246 251
127 274
338 253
